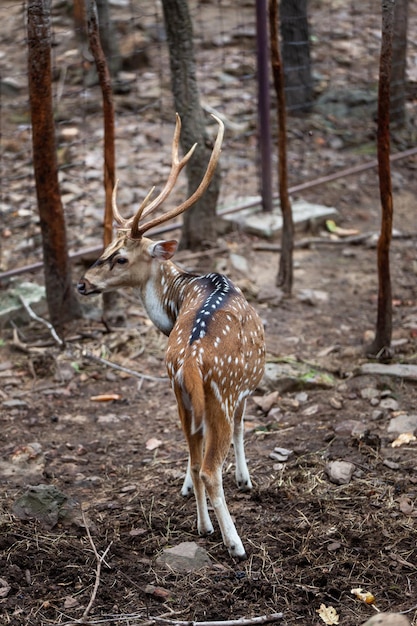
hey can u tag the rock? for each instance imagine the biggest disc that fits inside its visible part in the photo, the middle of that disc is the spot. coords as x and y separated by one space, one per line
402 424
185 557
340 472
389 403
280 454
239 263
46 504
286 377
367 393
313 297
387 619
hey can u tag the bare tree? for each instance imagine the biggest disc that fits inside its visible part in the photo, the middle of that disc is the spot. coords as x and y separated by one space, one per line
62 303
199 223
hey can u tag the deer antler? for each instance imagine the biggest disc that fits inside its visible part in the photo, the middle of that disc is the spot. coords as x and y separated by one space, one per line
136 230
124 223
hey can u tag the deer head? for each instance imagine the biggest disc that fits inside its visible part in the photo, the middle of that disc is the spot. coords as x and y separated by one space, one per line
128 260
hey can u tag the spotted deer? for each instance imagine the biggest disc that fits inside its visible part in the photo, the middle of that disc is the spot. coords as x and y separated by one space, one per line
215 353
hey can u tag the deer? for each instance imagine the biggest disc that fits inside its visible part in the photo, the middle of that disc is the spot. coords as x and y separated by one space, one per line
215 352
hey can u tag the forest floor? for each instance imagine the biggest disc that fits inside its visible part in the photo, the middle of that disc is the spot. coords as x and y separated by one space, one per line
310 541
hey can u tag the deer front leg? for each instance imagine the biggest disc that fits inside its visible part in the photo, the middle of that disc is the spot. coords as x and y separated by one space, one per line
243 480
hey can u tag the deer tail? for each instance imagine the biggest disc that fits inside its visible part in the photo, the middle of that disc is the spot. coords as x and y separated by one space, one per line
194 389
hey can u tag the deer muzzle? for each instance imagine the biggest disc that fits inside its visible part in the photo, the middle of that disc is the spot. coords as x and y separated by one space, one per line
85 288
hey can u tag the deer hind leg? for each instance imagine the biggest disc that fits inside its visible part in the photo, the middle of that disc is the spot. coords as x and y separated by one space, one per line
218 438
187 487
193 478
243 480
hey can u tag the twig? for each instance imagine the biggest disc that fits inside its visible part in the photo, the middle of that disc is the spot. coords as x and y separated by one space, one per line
413 608
115 366
100 560
262 619
33 315
150 620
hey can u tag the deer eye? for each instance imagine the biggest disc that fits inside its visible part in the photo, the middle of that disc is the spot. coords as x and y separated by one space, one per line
121 260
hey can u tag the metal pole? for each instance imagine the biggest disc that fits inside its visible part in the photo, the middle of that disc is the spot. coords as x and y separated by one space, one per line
264 103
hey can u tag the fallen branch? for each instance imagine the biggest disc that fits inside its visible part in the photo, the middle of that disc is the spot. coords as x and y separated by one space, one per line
33 315
85 353
243 621
99 560
399 370
150 620
126 370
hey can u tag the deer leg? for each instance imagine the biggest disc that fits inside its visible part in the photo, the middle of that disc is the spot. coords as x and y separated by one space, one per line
193 478
187 487
216 447
243 480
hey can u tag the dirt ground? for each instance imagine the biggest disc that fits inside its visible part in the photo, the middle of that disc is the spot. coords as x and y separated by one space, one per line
309 541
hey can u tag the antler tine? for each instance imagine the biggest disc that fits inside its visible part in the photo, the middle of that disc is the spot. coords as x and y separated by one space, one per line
214 158
123 222
176 167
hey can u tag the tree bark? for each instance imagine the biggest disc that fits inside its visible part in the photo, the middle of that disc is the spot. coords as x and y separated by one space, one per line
199 222
285 272
108 114
382 342
398 115
62 303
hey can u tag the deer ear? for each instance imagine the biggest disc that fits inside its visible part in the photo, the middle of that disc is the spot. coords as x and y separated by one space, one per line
163 250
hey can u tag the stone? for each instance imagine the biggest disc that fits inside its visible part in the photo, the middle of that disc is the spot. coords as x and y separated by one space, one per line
264 224
185 557
402 424
340 472
46 504
387 619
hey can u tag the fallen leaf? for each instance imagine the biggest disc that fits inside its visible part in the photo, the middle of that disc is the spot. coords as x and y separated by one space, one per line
406 505
71 603
328 614
265 403
157 592
105 397
333 228
364 596
4 587
403 439
153 443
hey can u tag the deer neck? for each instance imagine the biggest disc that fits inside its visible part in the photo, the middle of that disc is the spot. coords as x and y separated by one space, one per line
163 294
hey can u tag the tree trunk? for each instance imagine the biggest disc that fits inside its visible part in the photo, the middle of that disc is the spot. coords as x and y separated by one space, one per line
399 60
62 303
382 342
199 222
108 36
296 55
285 272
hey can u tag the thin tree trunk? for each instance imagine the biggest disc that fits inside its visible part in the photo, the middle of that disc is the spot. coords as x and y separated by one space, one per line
399 61
382 342
199 222
285 272
62 303
108 114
